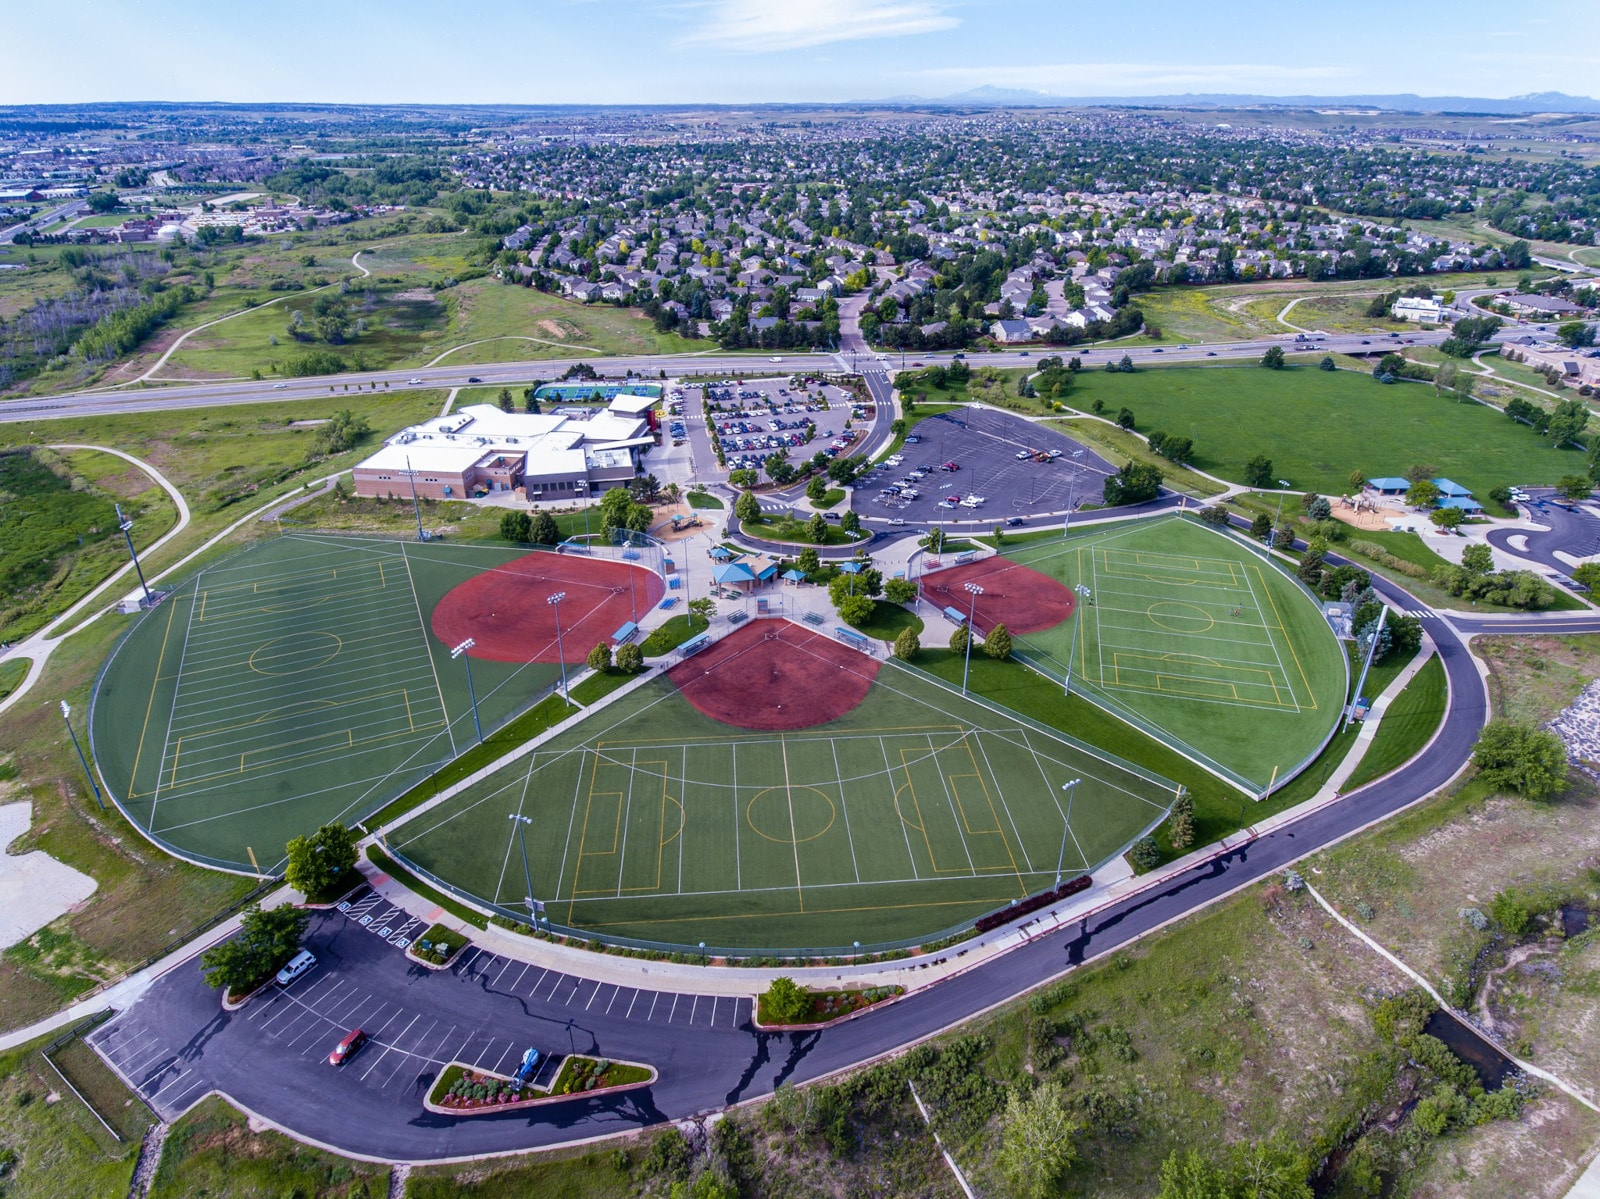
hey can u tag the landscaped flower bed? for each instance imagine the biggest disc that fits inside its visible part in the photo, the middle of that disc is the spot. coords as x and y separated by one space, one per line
460 1090
437 946
583 1074
829 1005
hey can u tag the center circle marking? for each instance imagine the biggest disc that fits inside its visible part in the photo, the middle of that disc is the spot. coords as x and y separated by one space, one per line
295 654
768 813
1178 617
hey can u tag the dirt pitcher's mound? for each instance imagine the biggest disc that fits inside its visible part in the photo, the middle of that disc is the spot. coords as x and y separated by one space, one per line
507 610
775 676
1016 596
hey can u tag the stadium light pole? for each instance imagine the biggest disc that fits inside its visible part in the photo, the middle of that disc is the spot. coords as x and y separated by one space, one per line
972 614
1283 484
460 651
126 525
1084 593
527 876
1071 789
416 507
66 715
555 602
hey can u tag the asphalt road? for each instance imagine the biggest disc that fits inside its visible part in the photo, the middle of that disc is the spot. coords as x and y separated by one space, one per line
875 370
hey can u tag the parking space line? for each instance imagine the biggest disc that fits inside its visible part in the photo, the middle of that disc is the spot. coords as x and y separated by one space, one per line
597 989
179 1077
631 1002
534 989
654 996
510 962
386 1049
613 999
674 1010
511 1047
694 1008
560 978
527 966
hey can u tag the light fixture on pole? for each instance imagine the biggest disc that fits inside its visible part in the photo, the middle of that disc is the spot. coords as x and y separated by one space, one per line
1284 485
126 525
975 591
1071 789
460 651
416 507
555 602
527 876
66 715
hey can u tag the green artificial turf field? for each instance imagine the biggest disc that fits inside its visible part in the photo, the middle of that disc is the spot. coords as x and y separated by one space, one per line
291 684
1186 630
915 811
1317 426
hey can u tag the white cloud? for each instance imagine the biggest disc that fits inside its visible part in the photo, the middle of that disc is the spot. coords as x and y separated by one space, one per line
1093 78
761 25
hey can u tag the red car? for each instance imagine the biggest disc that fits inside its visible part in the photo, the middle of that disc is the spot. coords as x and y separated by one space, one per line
954 499
346 1049
951 466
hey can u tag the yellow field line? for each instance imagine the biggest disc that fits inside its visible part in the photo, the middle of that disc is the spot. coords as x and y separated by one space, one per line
155 681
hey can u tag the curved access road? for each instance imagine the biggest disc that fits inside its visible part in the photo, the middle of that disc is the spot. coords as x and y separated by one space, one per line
175 1044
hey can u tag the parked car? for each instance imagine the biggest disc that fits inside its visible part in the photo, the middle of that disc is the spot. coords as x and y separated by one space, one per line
346 1049
297 966
897 520
1023 455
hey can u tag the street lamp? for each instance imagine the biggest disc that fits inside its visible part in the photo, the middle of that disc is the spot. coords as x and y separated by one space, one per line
416 508
126 525
1083 593
555 602
1071 789
66 715
460 651
1072 490
1283 485
527 877
972 614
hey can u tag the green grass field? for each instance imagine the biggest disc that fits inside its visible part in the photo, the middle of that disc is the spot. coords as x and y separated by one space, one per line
916 811
292 684
1318 426
1185 629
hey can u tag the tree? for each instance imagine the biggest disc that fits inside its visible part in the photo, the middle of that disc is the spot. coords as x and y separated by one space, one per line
1478 559
907 645
543 529
857 609
1191 1176
516 526
1588 575
104 202
960 639
816 488
320 862
1258 471
809 562
1446 518
1568 421
1135 483
1319 508
1125 418
1260 526
630 658
900 591
817 528
266 940
1145 854
506 403
1576 334
599 659
1327 363
786 1002
1574 487
1422 494
935 539
1180 824
1273 359
1521 758
1036 1142
746 508
997 644
1358 481
850 522
1405 635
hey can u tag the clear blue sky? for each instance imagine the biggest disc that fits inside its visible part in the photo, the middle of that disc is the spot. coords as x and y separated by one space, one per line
734 51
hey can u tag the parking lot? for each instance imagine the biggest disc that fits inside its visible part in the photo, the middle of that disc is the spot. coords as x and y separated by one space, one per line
758 418
484 1010
981 466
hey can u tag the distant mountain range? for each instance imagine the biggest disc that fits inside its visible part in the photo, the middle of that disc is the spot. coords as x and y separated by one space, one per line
1001 97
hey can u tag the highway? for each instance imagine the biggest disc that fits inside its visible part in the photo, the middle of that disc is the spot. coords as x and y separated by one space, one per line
877 371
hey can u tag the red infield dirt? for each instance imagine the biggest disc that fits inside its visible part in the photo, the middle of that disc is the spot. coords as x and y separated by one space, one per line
1018 597
506 610
775 676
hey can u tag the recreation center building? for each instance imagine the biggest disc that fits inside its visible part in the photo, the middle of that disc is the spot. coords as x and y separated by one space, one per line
480 451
